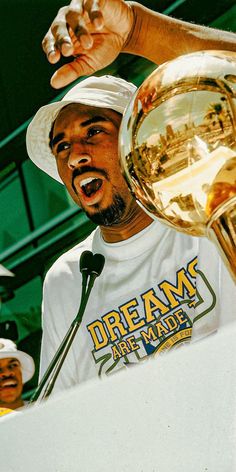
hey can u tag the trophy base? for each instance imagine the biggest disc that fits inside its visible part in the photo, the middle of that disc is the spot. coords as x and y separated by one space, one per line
221 229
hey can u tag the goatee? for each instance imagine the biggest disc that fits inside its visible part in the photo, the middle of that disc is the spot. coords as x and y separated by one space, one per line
111 215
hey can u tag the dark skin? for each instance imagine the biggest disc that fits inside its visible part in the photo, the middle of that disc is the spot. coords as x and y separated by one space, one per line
85 145
10 383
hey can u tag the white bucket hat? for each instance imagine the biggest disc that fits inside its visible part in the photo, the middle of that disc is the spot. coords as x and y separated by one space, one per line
104 92
9 349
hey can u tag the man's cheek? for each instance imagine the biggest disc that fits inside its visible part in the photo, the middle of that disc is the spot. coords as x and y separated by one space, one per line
63 169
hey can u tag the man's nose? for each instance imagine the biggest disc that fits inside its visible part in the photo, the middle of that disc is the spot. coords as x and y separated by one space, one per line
78 157
5 372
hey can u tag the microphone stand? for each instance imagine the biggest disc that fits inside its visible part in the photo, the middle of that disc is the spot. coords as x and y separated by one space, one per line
90 265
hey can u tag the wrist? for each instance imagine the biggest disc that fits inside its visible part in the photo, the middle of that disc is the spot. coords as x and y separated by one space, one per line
135 39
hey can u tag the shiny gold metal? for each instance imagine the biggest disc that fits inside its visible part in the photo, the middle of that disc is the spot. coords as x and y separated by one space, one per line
178 147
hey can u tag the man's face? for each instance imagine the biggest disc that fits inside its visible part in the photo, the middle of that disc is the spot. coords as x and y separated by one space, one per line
85 145
10 381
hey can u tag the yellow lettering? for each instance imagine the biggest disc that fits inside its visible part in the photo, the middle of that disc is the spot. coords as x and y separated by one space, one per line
171 322
132 343
151 304
182 283
130 316
124 349
98 334
191 267
113 321
115 353
181 317
161 329
149 336
175 338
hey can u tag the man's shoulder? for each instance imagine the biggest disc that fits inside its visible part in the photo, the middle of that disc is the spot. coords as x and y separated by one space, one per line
69 260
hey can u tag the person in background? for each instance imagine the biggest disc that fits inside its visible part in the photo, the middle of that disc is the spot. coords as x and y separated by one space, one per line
16 368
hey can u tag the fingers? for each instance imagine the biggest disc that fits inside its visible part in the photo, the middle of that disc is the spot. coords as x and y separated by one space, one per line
78 26
57 41
78 21
91 8
94 9
50 49
63 76
85 17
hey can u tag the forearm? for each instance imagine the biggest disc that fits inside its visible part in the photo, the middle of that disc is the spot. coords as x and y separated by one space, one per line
161 38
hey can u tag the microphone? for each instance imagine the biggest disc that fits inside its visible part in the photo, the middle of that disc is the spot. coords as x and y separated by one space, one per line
97 264
96 267
85 262
90 265
85 265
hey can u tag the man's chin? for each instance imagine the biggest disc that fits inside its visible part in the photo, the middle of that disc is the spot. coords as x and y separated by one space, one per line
109 216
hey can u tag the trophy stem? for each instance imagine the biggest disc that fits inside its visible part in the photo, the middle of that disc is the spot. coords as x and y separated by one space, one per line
221 229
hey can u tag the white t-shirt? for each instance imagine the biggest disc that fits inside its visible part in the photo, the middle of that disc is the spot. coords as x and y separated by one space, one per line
158 290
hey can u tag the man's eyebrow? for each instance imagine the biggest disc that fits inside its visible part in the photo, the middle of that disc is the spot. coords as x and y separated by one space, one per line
13 360
57 138
95 119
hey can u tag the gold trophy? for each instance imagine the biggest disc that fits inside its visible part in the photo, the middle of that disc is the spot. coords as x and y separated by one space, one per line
178 147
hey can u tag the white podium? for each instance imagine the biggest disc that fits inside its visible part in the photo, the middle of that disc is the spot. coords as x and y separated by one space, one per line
176 413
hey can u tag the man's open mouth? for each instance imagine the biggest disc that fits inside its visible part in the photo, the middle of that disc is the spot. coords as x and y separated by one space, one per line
8 384
90 185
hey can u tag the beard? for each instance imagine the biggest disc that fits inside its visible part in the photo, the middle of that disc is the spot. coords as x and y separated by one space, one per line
111 215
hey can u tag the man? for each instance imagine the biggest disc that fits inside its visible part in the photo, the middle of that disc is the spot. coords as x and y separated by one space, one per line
159 288
150 291
16 368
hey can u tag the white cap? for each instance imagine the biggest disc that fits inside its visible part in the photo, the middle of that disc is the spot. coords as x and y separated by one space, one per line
9 349
104 92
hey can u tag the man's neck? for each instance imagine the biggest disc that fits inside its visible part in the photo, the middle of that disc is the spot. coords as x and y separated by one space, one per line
133 223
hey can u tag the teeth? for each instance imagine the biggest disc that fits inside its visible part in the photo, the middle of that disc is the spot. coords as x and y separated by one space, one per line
8 383
86 181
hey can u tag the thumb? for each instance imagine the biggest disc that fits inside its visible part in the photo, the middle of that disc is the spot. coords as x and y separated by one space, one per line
70 72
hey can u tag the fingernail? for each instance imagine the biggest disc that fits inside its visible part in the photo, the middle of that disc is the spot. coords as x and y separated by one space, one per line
98 23
52 56
67 49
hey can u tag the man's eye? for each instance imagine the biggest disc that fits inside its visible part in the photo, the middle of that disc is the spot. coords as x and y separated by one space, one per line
93 131
62 147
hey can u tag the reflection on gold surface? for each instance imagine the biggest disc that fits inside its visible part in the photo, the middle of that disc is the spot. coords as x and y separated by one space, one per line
220 192
178 146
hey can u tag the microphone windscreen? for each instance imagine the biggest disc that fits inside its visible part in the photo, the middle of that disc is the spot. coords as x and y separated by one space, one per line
86 261
98 264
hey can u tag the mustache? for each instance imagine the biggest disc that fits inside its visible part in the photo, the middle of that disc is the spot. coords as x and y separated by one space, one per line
9 377
83 170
